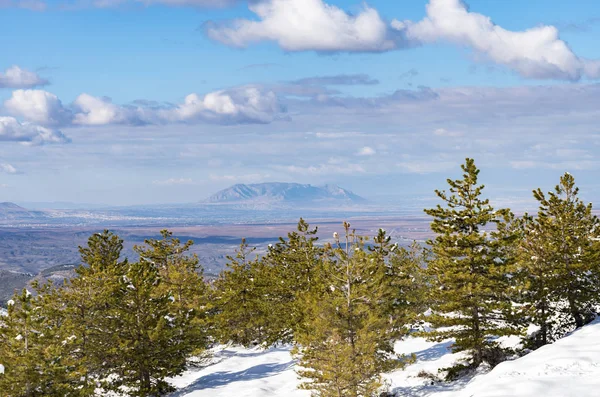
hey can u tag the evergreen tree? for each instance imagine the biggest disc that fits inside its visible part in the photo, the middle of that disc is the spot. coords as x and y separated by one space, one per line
558 262
240 314
469 269
404 279
181 277
147 334
346 339
33 350
533 282
88 301
290 270
260 301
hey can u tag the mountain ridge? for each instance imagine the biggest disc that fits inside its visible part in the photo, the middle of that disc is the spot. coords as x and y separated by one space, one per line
10 211
283 193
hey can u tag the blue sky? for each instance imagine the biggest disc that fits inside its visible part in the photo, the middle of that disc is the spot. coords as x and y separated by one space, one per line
127 102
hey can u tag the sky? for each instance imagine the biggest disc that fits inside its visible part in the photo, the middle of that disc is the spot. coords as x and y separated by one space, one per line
127 102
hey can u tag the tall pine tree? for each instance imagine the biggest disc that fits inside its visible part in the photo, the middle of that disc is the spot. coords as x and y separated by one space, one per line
346 338
558 262
88 300
469 269
182 278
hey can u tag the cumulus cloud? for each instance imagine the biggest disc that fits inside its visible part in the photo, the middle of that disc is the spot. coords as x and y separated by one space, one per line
313 25
340 79
239 105
91 110
537 52
7 168
29 134
15 77
38 106
307 25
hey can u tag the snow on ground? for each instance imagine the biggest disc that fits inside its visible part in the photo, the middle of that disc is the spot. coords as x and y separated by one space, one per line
242 372
569 367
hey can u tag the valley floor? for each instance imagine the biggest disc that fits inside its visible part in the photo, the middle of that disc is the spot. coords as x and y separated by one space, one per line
567 368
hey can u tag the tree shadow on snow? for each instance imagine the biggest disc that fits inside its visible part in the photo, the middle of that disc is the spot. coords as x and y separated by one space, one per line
223 378
429 388
435 351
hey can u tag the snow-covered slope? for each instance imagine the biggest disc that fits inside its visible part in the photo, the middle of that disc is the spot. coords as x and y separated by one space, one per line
569 367
242 373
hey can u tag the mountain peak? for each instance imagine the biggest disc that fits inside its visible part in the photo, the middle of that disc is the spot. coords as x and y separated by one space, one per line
11 206
282 193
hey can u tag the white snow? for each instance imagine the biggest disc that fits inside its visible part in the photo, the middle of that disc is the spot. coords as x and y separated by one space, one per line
242 372
569 367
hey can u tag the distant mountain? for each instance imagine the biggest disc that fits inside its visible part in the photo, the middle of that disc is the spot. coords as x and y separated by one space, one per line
9 211
284 193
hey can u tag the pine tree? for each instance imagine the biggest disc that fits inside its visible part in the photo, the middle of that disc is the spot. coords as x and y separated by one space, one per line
33 350
346 339
469 269
290 270
558 262
181 277
147 334
240 313
533 282
404 279
88 302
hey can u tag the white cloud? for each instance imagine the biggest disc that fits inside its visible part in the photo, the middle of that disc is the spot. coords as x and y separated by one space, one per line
174 181
246 104
29 134
91 110
305 25
537 52
15 77
366 151
38 106
313 25
7 168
